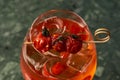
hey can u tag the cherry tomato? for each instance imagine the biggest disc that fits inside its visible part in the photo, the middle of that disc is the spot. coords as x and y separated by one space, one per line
43 41
58 68
73 44
59 44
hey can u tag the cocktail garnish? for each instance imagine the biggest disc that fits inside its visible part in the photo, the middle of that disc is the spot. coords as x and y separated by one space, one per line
42 41
73 43
45 32
59 44
74 36
101 31
58 68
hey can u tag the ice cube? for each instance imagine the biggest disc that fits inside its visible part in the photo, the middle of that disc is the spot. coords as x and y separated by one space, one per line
79 62
35 58
51 53
55 25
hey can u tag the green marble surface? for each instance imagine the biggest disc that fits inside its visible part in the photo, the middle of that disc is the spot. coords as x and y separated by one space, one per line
16 17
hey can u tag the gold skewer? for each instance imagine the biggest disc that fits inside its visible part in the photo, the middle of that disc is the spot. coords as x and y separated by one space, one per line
102 31
28 42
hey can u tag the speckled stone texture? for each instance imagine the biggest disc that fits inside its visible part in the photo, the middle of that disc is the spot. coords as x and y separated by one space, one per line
16 17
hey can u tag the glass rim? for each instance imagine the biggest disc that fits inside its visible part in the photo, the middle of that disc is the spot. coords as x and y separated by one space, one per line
46 13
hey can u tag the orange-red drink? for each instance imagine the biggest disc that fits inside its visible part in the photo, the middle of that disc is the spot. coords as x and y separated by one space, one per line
57 47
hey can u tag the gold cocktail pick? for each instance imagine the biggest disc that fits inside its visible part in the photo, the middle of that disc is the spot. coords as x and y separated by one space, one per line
98 39
97 33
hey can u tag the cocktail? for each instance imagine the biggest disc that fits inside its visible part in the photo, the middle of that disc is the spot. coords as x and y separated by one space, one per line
58 46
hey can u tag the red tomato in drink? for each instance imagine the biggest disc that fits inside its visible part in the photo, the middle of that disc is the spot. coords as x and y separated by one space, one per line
58 42
58 68
73 44
59 46
43 41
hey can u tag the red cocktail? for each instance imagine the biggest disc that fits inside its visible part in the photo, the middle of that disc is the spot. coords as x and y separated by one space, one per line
56 48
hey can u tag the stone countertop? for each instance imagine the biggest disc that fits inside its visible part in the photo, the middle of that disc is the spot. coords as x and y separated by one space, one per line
16 17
